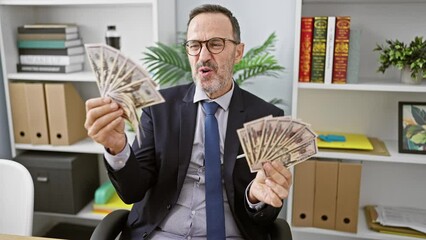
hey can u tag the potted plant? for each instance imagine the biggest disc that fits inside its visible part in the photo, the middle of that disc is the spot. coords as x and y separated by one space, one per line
169 63
410 59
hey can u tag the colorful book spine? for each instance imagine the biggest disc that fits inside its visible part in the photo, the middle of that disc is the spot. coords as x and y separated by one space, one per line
55 44
341 49
48 29
47 36
305 57
51 60
49 69
328 70
319 49
44 51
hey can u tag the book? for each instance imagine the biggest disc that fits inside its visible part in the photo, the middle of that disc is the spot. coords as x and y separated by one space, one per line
305 57
329 54
113 203
341 49
48 28
354 56
51 60
46 51
49 43
50 68
47 36
319 49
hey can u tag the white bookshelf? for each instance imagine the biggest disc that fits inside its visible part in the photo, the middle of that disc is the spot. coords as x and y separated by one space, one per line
368 107
140 23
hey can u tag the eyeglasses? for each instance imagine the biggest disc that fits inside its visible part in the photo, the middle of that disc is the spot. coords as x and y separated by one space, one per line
214 45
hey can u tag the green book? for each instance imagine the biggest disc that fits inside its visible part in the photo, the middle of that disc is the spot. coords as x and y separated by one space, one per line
50 44
319 49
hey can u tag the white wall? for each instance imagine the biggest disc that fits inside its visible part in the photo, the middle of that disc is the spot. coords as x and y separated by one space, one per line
258 19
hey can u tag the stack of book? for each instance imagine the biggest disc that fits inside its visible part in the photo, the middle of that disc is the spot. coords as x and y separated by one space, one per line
107 200
324 49
50 48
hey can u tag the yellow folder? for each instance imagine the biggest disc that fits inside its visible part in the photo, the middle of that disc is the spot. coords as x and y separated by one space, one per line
353 141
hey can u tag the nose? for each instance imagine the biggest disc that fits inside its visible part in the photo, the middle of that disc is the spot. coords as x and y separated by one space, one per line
204 53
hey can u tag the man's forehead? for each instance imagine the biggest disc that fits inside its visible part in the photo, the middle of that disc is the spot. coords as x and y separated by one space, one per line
214 23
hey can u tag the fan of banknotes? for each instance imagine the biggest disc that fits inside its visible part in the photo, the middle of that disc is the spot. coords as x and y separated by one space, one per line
124 81
277 138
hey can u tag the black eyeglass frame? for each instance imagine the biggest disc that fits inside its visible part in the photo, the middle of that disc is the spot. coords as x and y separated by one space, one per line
185 44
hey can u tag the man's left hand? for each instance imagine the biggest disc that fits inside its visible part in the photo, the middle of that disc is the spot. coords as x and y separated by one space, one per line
271 185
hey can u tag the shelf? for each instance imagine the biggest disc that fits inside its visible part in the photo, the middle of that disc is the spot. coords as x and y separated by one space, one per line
86 76
85 213
363 1
392 146
83 146
363 231
376 86
73 2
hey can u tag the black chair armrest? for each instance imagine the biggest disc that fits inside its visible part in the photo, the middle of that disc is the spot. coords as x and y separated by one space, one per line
110 226
281 230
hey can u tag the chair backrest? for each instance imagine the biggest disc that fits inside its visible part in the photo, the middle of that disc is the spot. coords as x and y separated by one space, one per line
16 199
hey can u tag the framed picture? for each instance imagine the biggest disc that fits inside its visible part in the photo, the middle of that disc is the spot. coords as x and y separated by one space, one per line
412 127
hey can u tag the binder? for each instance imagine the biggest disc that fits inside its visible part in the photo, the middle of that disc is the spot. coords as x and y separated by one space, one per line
303 194
348 189
37 118
326 173
18 104
66 114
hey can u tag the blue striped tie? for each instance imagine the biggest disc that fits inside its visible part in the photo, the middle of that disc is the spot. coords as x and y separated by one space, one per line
214 198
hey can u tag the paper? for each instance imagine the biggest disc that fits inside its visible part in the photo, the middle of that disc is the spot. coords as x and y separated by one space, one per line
414 218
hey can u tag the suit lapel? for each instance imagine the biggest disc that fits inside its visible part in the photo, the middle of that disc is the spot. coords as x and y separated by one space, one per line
188 116
236 120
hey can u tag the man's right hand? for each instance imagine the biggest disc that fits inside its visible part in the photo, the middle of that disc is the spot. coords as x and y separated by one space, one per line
105 124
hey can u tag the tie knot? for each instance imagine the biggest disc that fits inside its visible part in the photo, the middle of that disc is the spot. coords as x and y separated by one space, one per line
210 107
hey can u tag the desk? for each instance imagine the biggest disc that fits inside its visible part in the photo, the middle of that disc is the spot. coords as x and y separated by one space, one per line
15 237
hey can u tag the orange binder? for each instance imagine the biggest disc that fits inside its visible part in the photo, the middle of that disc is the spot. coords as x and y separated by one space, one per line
348 189
66 114
18 104
303 194
325 194
37 117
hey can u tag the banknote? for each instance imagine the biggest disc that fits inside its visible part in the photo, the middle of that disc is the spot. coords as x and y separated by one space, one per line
124 81
283 139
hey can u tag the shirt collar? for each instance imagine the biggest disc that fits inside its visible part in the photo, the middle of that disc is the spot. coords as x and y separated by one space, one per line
223 100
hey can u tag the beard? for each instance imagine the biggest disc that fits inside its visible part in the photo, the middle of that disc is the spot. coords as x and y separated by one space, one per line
216 83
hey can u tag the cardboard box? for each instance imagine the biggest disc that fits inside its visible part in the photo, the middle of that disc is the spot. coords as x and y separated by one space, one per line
63 182
303 194
326 175
348 190
18 104
66 113
37 116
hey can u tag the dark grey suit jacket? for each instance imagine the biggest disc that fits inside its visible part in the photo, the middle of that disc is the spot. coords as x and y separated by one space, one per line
154 174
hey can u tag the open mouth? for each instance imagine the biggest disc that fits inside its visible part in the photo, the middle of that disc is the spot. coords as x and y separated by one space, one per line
204 70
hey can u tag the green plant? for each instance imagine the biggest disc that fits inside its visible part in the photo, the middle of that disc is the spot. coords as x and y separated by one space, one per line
169 63
400 55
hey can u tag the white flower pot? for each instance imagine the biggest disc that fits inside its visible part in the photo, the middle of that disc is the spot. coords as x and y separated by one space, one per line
407 79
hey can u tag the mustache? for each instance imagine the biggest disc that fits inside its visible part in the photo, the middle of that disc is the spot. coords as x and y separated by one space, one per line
206 64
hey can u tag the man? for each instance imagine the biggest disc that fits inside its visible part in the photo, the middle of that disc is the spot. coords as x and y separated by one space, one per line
166 176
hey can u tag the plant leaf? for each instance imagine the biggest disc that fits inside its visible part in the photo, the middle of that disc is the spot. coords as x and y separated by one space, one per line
419 115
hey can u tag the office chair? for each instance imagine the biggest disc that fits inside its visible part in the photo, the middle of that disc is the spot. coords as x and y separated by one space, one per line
17 199
110 227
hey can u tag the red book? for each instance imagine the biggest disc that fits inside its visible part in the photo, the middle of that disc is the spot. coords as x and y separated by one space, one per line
305 57
341 49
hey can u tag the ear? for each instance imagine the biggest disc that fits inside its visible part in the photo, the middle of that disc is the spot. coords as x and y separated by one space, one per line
239 53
